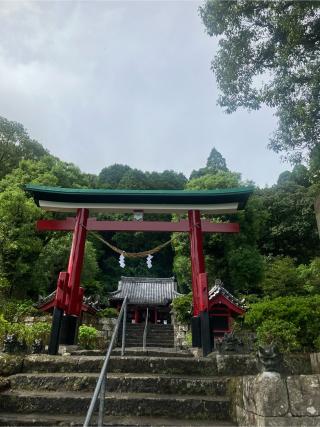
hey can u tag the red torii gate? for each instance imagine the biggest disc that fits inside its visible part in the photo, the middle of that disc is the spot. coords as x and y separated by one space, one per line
68 299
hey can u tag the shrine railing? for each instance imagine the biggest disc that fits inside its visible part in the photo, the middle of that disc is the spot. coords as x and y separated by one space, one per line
144 340
100 390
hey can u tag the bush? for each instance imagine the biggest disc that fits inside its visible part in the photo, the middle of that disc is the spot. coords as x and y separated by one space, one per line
182 308
279 332
281 278
3 328
28 333
87 337
16 310
41 331
110 313
316 343
301 312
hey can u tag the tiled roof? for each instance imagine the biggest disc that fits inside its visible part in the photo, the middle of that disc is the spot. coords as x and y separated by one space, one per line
86 300
218 289
146 290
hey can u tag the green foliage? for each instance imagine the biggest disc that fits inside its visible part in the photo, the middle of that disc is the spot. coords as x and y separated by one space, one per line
302 312
182 270
269 54
122 176
15 145
279 332
109 313
28 333
189 339
182 308
316 343
4 325
87 337
41 330
281 278
290 226
215 163
16 310
245 269
309 276
20 245
220 179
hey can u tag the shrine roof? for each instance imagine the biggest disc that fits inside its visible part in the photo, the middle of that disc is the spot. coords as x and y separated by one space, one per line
218 290
47 303
217 201
146 290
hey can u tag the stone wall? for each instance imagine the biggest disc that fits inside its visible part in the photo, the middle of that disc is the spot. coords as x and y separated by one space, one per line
180 334
272 400
315 363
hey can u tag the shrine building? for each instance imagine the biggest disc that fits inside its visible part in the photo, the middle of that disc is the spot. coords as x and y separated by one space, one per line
146 294
223 308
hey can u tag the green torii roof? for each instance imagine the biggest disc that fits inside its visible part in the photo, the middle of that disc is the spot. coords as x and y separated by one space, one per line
153 201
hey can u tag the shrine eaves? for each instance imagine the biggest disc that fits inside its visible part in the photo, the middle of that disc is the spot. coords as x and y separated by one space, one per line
222 201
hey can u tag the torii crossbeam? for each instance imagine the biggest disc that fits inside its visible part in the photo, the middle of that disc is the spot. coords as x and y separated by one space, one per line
69 294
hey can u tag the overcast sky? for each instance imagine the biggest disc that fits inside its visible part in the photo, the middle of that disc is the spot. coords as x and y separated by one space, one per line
99 83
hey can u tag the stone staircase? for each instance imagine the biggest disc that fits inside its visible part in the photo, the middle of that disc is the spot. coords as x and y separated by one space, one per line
161 390
157 335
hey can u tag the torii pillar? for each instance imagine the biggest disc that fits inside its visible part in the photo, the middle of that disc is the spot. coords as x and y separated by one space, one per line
69 295
200 324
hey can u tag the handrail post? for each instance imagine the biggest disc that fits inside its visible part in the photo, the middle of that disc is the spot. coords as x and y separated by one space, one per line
99 390
144 343
101 404
124 330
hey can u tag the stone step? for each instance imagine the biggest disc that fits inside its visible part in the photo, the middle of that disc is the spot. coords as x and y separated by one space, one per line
224 365
124 404
164 345
40 419
150 383
138 351
150 343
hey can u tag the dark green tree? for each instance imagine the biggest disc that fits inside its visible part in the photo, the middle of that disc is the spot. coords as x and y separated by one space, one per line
269 54
215 163
111 176
15 145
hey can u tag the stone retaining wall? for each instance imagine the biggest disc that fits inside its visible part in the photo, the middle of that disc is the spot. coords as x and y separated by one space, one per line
180 334
272 400
315 363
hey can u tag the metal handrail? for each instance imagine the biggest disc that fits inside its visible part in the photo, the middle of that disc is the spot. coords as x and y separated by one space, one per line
100 389
145 331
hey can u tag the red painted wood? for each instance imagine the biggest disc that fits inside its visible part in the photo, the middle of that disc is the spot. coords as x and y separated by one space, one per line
203 291
51 304
220 299
76 262
68 224
197 258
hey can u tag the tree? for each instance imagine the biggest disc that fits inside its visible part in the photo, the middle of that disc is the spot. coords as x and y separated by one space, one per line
281 278
246 269
269 54
111 176
15 145
215 163
19 243
53 258
220 179
290 227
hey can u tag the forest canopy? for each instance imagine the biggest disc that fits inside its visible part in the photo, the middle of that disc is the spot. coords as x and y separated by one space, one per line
277 252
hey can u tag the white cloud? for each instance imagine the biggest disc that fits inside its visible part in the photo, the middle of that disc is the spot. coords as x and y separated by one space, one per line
126 82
